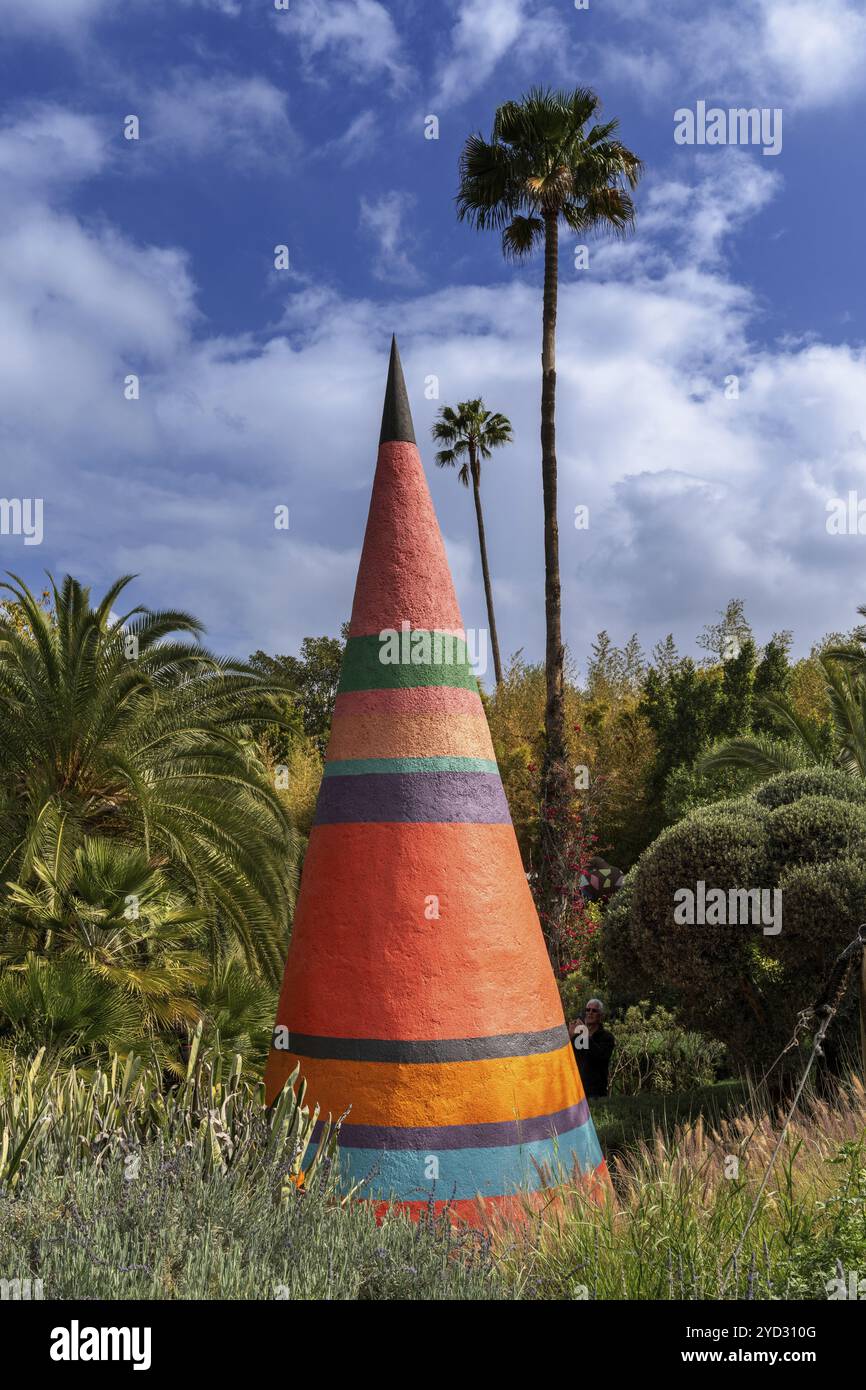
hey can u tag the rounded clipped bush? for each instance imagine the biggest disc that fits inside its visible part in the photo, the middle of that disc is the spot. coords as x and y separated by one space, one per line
811 781
721 849
791 859
823 906
814 829
627 978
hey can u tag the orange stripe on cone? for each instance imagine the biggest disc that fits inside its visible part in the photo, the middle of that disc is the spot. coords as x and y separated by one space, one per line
366 961
410 736
436 1093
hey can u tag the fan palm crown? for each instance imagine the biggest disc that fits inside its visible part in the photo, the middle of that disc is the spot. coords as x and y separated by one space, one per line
124 727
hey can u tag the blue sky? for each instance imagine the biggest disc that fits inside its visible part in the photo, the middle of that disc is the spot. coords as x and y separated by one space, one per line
262 388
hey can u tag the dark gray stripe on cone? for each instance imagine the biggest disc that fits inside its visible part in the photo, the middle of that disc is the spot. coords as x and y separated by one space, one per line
438 1050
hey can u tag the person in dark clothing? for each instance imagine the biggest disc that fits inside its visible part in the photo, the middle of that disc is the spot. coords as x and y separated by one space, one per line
593 1048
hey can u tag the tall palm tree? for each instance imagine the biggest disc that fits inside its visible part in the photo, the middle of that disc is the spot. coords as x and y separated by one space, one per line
119 727
471 434
545 163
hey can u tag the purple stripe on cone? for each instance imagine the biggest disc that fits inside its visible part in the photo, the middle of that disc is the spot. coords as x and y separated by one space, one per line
479 1136
451 797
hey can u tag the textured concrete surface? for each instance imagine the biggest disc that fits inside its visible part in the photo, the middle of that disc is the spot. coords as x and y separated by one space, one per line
417 993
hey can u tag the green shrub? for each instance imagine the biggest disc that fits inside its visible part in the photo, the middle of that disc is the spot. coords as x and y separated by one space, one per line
814 829
705 964
686 789
167 1231
742 985
811 781
624 968
112 1187
836 1249
215 1116
574 990
655 1053
822 908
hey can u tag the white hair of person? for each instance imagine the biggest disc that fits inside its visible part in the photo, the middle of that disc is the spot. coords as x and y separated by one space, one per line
596 1001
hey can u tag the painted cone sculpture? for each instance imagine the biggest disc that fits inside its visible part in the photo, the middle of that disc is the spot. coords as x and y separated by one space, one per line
417 993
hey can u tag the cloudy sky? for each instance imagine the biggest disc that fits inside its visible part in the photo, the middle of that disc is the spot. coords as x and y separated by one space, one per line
261 387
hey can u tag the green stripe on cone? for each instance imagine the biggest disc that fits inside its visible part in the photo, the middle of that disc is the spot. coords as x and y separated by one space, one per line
402 660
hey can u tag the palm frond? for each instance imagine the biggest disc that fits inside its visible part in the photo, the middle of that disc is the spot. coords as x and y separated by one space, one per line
521 236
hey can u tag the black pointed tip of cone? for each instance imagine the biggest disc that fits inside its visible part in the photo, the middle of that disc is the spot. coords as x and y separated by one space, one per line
397 424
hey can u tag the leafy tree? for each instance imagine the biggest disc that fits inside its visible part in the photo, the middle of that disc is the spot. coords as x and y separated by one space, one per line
665 655
773 680
617 746
763 755
680 705
723 640
615 670
607 738
239 1009
549 161
12 613
471 433
692 708
296 769
312 680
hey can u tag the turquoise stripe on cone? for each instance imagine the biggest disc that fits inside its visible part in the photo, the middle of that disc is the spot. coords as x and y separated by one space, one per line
355 767
456 1174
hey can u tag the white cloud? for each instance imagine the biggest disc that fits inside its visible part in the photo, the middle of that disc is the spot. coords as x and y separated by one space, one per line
61 18
384 220
484 33
791 53
70 20
357 141
357 38
244 119
688 221
819 51
232 8
49 145
693 497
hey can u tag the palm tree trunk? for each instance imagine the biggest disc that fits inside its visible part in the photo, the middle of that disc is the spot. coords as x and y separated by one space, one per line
485 568
556 784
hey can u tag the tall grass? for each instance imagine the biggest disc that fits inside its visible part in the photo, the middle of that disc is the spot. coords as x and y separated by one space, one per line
682 1200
